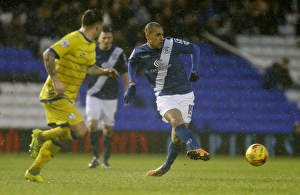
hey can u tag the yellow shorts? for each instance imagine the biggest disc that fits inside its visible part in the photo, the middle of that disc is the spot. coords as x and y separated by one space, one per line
61 112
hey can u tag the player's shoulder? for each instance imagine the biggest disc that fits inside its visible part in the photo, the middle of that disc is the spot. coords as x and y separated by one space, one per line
142 48
73 35
178 40
72 38
138 50
77 36
114 47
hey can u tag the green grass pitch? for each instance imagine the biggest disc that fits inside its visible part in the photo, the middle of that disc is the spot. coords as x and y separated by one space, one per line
68 174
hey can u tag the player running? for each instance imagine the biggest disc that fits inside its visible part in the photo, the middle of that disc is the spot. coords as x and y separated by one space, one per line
67 62
160 58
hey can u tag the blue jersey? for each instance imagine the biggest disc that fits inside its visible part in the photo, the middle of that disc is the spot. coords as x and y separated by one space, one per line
163 67
104 87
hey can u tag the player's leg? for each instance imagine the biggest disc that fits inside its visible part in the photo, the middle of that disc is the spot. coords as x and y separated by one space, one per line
64 133
58 113
109 109
94 141
164 104
66 121
175 119
47 152
69 124
174 149
107 144
178 112
93 110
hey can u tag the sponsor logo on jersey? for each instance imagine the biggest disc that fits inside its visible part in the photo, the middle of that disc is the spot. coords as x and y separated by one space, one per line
160 65
65 43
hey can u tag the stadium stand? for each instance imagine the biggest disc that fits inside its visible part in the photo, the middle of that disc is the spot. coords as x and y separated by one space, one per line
229 98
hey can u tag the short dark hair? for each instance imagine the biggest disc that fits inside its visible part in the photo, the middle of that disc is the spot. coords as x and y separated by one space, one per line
150 25
107 29
91 17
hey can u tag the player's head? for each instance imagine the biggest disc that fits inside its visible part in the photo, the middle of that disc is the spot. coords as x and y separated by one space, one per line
154 34
92 20
106 38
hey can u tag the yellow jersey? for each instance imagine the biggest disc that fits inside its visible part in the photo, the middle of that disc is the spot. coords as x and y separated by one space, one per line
74 55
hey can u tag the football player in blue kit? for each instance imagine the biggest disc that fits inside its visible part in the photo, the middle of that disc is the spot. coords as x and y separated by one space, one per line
160 58
102 96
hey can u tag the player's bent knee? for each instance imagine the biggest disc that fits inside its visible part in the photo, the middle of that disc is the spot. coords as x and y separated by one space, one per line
79 130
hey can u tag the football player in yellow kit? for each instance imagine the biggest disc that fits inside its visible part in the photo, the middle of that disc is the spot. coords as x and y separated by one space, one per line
67 63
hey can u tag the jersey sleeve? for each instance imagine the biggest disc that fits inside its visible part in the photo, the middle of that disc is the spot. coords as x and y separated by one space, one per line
182 46
122 64
185 47
132 66
65 45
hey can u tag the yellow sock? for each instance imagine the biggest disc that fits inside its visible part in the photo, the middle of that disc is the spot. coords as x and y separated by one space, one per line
59 133
68 136
47 152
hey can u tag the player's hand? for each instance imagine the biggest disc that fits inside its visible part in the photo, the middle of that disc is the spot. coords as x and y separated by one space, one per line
130 94
59 89
111 73
194 76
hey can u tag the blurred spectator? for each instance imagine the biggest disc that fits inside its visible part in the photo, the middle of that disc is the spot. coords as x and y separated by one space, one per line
62 20
270 78
141 12
39 25
285 81
119 14
15 32
155 8
93 4
278 77
75 12
2 37
190 21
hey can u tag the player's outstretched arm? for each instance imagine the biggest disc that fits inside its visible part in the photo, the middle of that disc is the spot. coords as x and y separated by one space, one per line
97 71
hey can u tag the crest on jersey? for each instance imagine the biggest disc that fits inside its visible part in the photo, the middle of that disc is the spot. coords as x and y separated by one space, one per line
65 43
72 116
166 50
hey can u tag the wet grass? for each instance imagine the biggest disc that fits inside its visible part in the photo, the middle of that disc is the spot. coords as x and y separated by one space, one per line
68 174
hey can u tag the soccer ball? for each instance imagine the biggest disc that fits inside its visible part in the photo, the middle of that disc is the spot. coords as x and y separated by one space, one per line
257 154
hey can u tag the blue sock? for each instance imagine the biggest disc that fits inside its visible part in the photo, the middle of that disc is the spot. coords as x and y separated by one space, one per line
173 151
187 136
